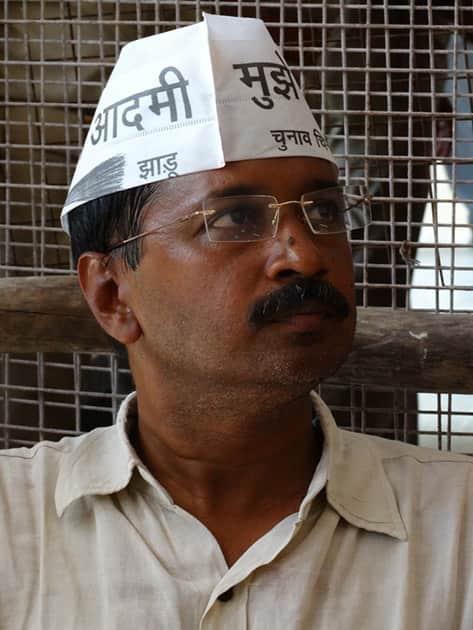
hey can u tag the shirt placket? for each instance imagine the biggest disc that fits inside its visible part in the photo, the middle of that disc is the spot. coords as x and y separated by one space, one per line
222 608
229 612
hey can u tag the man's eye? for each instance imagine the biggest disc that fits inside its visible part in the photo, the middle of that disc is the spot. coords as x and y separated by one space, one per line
325 210
232 217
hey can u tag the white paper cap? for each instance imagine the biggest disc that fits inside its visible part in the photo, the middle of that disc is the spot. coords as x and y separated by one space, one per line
191 100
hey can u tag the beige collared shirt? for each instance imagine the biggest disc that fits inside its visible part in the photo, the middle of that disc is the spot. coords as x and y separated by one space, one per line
89 540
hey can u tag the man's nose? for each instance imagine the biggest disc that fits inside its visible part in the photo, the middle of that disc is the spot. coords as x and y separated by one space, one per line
295 249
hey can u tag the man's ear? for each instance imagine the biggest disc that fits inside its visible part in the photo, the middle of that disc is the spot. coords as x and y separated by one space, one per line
100 284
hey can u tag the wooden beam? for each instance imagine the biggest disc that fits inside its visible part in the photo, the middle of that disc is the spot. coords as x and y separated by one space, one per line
47 314
416 349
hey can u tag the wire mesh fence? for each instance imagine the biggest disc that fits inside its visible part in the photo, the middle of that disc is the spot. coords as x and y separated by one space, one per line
392 86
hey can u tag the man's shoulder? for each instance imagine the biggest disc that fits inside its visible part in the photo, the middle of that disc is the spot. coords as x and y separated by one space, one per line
427 493
29 469
44 451
392 451
419 477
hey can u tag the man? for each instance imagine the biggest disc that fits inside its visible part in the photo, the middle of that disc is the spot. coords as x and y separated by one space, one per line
225 496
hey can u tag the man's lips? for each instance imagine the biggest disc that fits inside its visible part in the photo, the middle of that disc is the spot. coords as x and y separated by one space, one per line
307 317
309 309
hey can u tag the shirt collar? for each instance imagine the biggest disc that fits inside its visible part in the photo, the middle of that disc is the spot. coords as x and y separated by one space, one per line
101 463
355 482
357 486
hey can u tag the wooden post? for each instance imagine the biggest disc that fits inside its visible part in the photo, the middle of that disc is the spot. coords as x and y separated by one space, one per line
415 349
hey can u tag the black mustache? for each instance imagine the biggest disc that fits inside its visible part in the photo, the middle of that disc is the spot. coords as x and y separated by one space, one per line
289 299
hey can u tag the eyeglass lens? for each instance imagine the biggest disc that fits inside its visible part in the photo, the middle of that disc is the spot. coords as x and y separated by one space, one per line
255 217
243 218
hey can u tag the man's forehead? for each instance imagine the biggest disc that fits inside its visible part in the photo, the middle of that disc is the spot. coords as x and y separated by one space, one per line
285 178
258 176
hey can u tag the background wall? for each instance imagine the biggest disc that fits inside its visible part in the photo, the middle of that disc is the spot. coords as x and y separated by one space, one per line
392 85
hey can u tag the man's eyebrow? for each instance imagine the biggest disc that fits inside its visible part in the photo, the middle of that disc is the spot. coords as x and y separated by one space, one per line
322 184
238 189
246 189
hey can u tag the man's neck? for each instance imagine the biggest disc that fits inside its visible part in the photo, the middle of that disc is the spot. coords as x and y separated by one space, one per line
239 468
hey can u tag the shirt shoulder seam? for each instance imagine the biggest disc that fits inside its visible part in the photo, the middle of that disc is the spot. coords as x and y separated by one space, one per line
433 460
35 451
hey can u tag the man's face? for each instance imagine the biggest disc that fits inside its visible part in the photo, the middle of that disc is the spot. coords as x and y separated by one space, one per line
195 300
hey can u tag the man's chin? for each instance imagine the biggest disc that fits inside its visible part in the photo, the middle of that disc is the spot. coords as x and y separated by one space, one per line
303 374
310 350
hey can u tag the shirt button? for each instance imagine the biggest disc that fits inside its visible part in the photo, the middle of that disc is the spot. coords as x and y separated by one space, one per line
226 596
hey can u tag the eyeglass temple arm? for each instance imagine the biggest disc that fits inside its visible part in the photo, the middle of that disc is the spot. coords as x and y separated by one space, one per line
161 227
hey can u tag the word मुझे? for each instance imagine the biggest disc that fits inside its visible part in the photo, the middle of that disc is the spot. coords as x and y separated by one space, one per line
280 74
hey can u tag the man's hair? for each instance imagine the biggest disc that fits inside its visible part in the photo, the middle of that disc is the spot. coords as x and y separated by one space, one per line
98 224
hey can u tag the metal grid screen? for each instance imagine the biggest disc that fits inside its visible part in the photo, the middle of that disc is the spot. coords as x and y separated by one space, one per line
392 85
